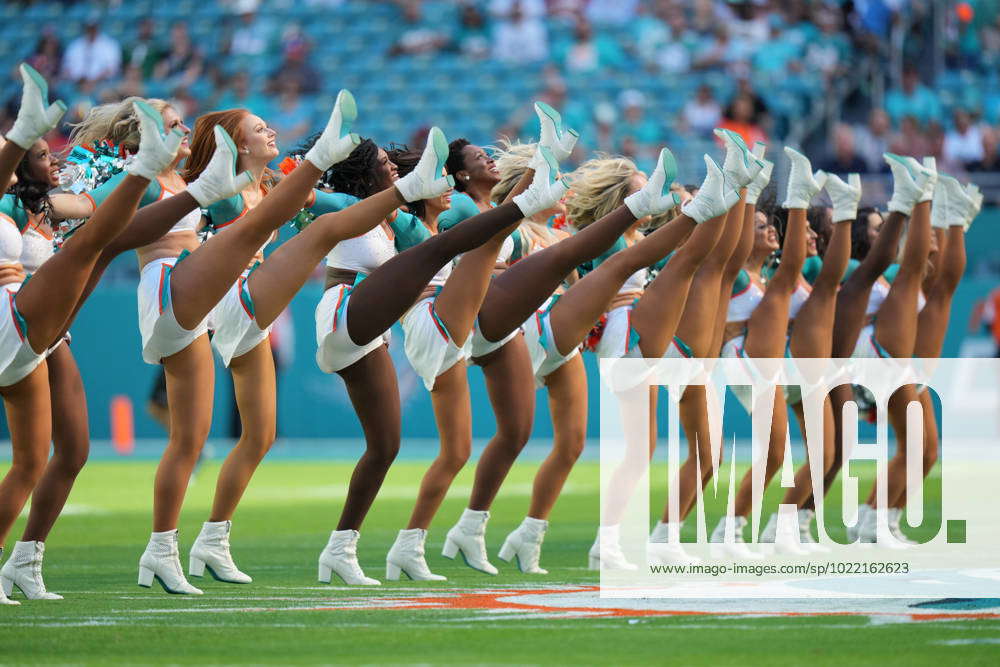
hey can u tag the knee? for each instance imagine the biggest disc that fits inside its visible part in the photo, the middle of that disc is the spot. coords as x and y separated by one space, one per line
453 462
515 432
569 447
381 454
70 463
30 467
256 444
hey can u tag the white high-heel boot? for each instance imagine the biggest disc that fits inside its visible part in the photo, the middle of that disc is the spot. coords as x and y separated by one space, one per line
4 600
211 550
895 516
606 553
727 539
407 557
161 561
525 543
469 537
785 541
665 546
805 533
24 570
340 556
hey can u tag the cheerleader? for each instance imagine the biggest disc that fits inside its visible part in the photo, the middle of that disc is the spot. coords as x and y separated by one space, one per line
369 287
765 336
38 310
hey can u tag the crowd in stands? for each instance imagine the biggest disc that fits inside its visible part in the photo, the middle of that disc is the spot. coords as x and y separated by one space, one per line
629 74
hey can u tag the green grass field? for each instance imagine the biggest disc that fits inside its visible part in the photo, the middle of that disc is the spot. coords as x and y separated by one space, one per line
286 616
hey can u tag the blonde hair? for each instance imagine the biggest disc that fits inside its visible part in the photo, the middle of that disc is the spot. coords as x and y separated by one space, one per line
114 122
599 186
512 159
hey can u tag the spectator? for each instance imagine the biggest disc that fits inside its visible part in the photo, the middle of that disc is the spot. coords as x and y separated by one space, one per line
663 40
93 56
703 112
520 35
144 52
635 129
588 53
295 65
416 36
963 144
843 159
472 40
873 140
182 64
292 118
132 84
251 37
829 49
910 140
912 99
239 96
48 55
739 118
991 154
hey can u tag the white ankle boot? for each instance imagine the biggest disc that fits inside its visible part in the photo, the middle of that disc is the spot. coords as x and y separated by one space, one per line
784 538
341 557
665 547
469 537
606 552
407 557
805 533
161 561
24 570
525 544
211 550
895 515
4 600
337 141
727 539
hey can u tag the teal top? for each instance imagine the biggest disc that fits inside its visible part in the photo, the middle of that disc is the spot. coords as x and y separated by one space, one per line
11 207
409 230
811 268
153 192
464 207
741 283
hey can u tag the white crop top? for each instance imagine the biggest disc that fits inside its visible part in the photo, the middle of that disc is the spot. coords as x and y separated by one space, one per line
880 290
745 299
799 297
364 253
189 223
36 247
11 242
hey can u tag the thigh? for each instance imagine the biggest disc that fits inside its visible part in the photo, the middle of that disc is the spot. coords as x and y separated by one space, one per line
453 410
567 387
190 376
374 392
69 400
29 415
256 393
510 383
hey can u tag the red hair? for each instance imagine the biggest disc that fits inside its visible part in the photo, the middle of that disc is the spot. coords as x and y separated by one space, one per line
203 141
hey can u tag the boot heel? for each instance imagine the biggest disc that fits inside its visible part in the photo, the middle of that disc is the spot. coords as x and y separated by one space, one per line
392 572
324 573
594 562
450 549
7 584
507 551
145 576
196 567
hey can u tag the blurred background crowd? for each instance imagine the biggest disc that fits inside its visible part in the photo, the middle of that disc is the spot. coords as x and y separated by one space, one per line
844 79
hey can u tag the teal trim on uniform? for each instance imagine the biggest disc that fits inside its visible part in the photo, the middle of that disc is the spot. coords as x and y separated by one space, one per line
891 273
342 307
462 208
152 193
437 319
683 347
811 268
518 240
13 208
852 264
22 324
330 202
409 230
741 283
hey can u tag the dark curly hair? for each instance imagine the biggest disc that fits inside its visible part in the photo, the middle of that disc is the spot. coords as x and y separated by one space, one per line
357 175
859 233
406 161
456 161
33 194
